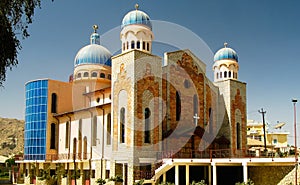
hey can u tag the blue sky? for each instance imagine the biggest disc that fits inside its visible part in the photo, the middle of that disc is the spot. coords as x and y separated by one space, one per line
265 35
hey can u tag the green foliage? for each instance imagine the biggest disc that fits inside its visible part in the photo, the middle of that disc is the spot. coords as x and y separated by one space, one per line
10 162
75 174
140 182
101 181
249 182
117 178
202 182
15 16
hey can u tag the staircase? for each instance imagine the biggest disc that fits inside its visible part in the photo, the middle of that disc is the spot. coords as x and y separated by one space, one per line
290 177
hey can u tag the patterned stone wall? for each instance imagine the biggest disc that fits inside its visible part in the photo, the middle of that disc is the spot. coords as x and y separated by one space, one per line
267 175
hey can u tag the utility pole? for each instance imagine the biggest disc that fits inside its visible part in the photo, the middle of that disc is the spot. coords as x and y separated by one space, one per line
295 137
264 126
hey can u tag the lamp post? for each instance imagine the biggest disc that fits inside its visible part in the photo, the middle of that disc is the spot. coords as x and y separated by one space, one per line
295 137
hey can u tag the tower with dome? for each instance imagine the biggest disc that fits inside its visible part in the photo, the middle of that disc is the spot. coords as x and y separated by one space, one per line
124 115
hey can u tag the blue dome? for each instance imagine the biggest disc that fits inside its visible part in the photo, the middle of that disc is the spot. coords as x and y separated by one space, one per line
136 17
93 54
226 53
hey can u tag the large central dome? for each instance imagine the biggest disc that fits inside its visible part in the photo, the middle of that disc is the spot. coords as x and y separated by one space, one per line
93 53
136 17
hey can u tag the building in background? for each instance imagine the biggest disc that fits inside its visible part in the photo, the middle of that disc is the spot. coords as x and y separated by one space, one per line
122 115
276 139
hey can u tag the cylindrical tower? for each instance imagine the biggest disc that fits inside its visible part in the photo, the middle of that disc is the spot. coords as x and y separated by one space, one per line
136 31
226 64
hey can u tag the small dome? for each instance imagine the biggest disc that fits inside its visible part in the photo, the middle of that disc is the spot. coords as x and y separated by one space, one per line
93 53
136 17
226 53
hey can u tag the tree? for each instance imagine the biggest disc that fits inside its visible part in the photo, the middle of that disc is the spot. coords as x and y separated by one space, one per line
15 16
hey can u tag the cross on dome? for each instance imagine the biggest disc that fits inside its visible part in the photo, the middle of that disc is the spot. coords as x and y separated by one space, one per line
136 6
95 27
225 44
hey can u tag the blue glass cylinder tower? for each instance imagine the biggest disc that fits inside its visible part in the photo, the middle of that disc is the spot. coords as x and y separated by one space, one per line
35 120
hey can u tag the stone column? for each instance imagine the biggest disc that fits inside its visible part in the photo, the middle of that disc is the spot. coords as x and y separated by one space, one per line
176 174
187 176
214 173
164 177
209 175
245 171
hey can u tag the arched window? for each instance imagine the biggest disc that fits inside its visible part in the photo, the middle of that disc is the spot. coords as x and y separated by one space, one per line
132 45
229 74
108 129
94 74
217 76
102 75
148 48
84 147
109 76
238 136
80 129
225 74
86 74
220 74
147 114
144 45
123 46
74 147
178 106
53 103
195 102
138 44
127 45
53 136
122 125
94 141
67 134
80 138
79 75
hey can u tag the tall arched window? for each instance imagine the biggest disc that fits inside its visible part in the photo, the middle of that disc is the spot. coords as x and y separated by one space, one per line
238 136
178 106
84 147
148 46
217 76
147 114
144 45
53 136
108 129
122 125
225 74
53 103
94 141
195 102
229 74
74 147
123 46
80 139
67 134
132 45
127 45
220 74
138 44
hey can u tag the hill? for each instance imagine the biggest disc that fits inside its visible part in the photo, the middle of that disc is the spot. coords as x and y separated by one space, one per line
12 136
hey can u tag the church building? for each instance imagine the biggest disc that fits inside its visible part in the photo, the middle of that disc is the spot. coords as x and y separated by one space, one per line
120 116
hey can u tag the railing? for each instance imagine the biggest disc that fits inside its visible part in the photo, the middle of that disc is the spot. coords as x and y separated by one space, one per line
212 153
54 157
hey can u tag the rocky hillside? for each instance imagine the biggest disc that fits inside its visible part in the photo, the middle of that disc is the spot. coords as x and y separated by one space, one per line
11 136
